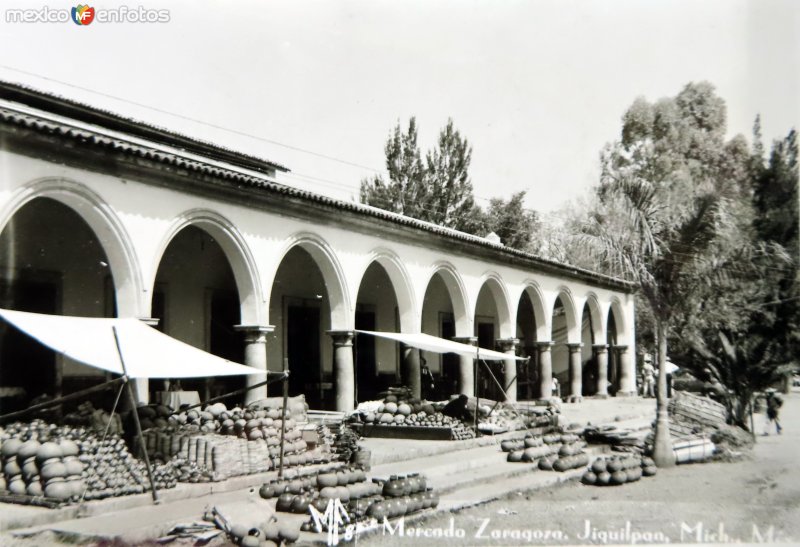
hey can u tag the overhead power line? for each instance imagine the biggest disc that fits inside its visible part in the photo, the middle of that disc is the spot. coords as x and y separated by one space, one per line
195 120
330 183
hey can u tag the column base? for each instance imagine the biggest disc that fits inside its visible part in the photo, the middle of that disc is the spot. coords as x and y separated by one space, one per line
549 400
626 394
575 399
600 396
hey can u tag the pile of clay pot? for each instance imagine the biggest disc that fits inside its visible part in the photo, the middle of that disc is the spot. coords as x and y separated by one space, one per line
174 436
395 497
250 423
551 452
617 470
399 412
63 463
42 469
274 531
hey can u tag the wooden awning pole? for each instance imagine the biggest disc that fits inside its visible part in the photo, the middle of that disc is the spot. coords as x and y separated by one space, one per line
283 412
135 413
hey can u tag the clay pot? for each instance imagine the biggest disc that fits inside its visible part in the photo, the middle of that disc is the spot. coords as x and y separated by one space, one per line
267 491
270 531
377 510
288 531
58 489
53 470
599 466
17 485
28 449
29 469
589 478
74 465
48 451
77 487
295 486
10 447
34 488
12 468
320 504
613 465
343 494
402 506
300 504
634 474
393 488
618 477
284 501
327 479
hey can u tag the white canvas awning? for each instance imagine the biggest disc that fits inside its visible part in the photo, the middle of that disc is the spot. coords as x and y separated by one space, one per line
427 342
147 352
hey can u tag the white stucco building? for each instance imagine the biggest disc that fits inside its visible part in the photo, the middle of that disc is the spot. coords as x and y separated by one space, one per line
104 216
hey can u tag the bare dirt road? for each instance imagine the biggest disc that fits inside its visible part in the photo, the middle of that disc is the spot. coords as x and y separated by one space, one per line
755 500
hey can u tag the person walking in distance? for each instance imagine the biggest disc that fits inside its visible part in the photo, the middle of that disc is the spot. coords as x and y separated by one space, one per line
774 404
649 376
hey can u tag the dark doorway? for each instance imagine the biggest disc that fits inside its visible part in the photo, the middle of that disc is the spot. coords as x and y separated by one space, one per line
27 368
487 387
450 361
225 342
367 385
303 351
613 356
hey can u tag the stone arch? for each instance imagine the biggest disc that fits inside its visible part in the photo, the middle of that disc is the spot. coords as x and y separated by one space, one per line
237 252
571 314
598 321
401 283
499 292
540 315
458 296
618 311
342 317
107 227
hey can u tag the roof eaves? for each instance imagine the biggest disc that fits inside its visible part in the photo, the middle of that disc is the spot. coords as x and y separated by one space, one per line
31 121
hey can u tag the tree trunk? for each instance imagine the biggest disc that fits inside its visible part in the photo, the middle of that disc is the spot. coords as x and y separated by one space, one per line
662 444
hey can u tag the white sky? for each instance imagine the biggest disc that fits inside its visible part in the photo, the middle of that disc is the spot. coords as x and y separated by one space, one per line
538 87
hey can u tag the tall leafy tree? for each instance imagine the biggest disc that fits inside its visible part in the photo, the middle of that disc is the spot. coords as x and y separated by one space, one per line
406 191
663 192
451 201
776 218
437 190
516 226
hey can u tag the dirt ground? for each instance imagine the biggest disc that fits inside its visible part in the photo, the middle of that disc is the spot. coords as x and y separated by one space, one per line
754 500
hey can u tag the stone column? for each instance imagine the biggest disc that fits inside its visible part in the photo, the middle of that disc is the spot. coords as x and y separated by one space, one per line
255 355
545 370
627 372
343 372
575 373
509 379
601 356
411 372
141 385
466 374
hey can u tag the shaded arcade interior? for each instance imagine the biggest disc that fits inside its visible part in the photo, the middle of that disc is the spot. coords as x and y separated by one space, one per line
52 261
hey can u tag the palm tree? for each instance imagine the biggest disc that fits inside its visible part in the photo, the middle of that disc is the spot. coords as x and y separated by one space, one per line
745 364
661 201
